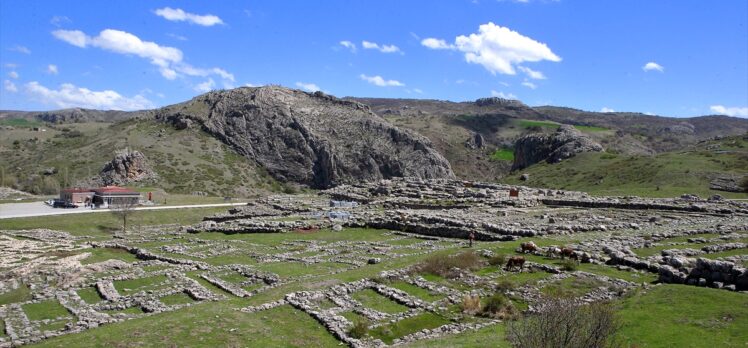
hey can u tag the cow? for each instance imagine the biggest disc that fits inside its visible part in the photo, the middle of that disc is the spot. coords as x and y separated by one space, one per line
515 261
568 252
528 247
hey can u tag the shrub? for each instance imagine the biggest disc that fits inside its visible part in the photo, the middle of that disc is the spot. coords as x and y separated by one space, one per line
359 330
442 265
497 260
470 304
499 306
505 285
561 323
569 265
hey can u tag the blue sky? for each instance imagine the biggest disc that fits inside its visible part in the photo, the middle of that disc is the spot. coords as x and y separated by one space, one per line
673 58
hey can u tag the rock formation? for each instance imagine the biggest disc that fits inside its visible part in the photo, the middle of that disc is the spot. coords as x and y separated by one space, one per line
309 138
566 142
126 167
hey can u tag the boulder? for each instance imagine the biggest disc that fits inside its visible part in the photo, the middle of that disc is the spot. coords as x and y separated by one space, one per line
127 167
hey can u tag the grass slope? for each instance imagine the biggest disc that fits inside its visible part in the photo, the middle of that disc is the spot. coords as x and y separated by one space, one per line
186 160
664 175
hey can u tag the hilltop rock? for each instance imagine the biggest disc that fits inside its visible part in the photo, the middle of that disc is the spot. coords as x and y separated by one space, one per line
126 167
309 138
566 142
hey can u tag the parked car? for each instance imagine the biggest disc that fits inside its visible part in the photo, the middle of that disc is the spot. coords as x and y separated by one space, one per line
58 203
50 202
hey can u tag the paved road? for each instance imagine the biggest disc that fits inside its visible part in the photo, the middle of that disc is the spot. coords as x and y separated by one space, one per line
16 210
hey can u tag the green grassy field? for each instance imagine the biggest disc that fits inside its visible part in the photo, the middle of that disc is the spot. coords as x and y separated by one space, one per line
664 175
503 154
100 225
665 315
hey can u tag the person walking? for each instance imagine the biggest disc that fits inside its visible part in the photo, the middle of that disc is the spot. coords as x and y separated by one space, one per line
471 237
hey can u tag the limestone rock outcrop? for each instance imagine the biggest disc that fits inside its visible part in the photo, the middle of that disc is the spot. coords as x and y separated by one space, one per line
309 138
566 142
127 167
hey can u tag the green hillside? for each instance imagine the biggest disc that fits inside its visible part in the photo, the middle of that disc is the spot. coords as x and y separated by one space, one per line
186 160
664 175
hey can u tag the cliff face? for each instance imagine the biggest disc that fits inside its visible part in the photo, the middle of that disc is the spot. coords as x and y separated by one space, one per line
566 142
311 139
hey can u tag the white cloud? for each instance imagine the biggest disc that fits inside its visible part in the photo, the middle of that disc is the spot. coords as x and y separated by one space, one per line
73 37
529 85
653 66
52 69
503 95
498 49
177 37
59 20
69 96
178 15
436 44
20 49
13 75
349 45
10 65
10 86
606 109
417 90
168 59
206 86
381 48
537 75
381 82
729 111
309 87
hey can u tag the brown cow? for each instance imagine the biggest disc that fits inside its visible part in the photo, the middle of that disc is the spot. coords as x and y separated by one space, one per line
515 261
528 247
568 252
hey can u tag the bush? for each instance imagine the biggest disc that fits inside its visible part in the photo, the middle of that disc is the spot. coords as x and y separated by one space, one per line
497 260
561 323
359 330
569 265
443 265
505 285
499 306
470 304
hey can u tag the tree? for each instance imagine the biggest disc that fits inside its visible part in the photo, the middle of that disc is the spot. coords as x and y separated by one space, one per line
123 209
563 323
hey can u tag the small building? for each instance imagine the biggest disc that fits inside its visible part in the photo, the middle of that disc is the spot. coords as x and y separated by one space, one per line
106 196
77 195
513 192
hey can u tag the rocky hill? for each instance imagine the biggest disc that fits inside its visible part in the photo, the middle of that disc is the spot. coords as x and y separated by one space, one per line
309 138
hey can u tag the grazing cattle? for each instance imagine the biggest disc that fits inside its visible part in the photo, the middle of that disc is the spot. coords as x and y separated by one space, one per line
515 261
553 252
528 247
568 252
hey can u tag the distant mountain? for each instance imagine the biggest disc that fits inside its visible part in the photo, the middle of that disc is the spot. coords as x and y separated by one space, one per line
74 115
